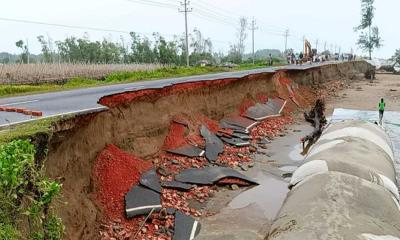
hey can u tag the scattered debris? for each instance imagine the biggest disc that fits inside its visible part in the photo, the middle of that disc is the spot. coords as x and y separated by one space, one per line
271 127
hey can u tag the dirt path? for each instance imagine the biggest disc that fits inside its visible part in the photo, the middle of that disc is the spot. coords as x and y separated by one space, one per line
365 95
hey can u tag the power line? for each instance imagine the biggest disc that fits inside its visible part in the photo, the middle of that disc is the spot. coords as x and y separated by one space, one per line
76 27
154 3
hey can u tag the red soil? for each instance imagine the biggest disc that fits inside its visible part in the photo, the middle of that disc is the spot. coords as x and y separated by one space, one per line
262 98
271 127
233 156
285 81
127 97
176 136
212 125
227 181
115 172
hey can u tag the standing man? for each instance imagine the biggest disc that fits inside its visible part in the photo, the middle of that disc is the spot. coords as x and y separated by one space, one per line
270 60
381 107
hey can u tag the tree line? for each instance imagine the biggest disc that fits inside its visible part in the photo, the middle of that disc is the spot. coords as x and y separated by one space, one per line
138 49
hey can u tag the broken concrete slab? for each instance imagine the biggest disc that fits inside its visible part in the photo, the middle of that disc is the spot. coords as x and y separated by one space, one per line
151 180
140 201
176 185
241 136
240 122
188 151
171 211
225 125
210 175
237 142
186 227
214 145
278 103
260 112
263 141
272 108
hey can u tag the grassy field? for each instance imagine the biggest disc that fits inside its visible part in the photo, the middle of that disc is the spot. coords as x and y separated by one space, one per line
7 90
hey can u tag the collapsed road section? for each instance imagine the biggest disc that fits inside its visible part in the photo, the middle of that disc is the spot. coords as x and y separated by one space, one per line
345 190
154 142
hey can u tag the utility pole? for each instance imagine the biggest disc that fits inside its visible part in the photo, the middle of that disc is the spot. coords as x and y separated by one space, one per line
185 10
253 28
286 38
27 51
316 44
325 46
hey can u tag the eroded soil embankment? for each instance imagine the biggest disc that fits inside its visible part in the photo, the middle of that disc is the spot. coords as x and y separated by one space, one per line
138 122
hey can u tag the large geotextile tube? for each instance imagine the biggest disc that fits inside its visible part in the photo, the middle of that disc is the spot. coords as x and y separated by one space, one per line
346 189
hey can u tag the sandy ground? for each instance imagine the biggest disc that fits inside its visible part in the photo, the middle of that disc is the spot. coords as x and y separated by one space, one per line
248 214
364 95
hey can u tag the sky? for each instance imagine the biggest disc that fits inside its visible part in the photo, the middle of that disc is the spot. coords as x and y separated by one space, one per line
330 22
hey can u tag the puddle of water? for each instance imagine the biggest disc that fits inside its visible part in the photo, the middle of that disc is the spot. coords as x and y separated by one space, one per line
268 196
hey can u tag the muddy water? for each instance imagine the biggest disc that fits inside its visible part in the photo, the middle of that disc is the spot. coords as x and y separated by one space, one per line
268 196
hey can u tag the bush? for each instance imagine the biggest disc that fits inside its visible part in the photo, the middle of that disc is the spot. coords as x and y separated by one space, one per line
21 179
54 228
9 232
16 164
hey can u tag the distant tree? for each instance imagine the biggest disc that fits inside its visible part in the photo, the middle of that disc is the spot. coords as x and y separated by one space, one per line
141 49
369 38
46 49
396 57
237 50
24 48
234 54
201 47
242 35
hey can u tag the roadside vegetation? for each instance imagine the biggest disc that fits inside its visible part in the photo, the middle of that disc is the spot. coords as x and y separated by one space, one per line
119 77
26 195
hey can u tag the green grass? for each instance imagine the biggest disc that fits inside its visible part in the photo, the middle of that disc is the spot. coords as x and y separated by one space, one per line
8 90
25 130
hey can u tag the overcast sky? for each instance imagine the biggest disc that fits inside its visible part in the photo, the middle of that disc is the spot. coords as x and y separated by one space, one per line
330 21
